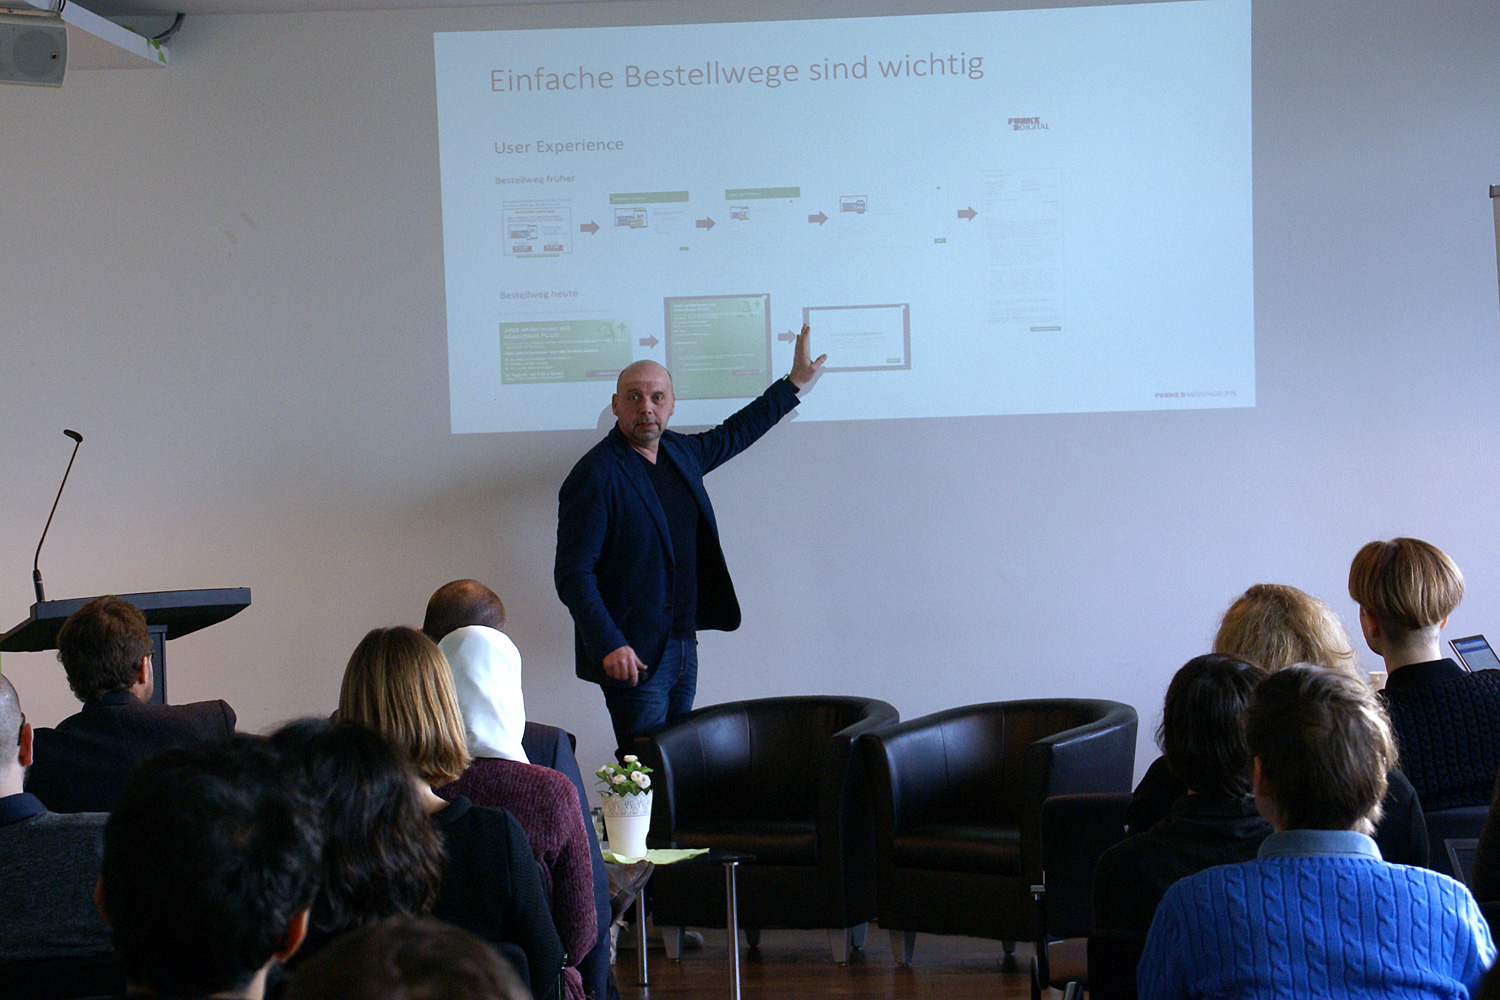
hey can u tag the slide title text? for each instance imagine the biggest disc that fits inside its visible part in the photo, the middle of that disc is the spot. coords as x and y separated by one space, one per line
713 73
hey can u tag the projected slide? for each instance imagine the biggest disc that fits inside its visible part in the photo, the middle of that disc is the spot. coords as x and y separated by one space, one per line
1038 211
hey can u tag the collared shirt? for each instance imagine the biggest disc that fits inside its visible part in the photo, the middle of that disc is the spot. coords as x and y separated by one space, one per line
14 808
1318 843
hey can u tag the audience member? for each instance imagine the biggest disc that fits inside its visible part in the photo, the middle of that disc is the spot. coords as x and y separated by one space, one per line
381 856
1202 737
1273 626
1318 913
545 802
210 867
398 684
1447 720
465 603
460 603
82 765
407 958
51 862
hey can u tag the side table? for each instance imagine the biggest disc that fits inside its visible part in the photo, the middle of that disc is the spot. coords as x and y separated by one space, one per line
731 861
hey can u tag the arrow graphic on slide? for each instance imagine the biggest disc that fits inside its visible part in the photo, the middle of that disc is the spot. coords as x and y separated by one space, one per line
820 218
789 336
650 341
705 223
966 213
589 227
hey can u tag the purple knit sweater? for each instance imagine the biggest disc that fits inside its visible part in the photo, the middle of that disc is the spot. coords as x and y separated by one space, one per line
545 803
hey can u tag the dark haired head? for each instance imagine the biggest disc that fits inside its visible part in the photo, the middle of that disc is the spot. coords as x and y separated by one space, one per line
460 603
381 855
1202 729
1324 746
210 857
408 958
101 646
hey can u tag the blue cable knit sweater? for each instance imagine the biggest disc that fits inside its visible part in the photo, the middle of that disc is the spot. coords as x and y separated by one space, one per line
1317 914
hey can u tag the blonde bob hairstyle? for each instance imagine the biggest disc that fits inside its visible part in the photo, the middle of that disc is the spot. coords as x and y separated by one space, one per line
398 683
1274 626
1405 584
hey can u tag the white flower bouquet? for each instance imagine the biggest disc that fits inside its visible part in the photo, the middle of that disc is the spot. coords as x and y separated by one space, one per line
630 778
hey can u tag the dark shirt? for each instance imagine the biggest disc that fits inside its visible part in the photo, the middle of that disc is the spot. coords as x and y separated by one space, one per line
1447 726
492 887
1401 834
683 519
1199 831
83 764
14 808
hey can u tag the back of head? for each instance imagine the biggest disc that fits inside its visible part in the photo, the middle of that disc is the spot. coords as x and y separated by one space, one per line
1202 729
1406 584
408 958
209 856
1273 626
11 720
381 856
398 684
1324 745
460 603
487 681
101 646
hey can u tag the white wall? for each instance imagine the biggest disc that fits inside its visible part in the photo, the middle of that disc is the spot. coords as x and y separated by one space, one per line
228 275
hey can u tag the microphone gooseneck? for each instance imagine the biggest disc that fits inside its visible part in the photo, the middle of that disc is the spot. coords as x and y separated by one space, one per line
36 572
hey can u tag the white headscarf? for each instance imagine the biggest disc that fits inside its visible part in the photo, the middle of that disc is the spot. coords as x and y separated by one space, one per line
487 678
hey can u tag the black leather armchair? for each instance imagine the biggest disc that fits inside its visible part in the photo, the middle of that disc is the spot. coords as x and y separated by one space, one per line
957 800
778 778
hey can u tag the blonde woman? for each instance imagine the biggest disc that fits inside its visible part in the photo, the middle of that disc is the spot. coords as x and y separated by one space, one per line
398 684
1273 626
1447 720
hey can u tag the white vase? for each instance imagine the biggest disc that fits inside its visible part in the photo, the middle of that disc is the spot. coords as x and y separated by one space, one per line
627 818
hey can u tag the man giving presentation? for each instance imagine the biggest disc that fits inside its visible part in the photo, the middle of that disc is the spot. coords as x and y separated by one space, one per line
638 558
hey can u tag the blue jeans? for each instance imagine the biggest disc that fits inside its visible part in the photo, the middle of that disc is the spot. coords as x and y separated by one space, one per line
665 696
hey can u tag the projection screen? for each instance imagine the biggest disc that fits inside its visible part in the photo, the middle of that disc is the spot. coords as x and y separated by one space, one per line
1033 211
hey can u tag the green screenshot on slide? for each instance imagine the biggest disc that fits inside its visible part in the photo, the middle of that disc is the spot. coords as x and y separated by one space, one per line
562 351
719 346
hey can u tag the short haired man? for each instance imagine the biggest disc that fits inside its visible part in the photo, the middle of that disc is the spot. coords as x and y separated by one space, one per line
50 861
1318 913
460 603
1446 720
1202 737
467 620
405 957
639 563
84 763
210 864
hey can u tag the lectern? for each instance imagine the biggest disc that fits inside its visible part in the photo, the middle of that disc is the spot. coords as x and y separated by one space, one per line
169 615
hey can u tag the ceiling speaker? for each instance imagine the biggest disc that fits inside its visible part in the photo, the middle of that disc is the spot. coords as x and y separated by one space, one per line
33 49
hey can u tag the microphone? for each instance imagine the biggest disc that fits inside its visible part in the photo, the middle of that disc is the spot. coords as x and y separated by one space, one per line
36 573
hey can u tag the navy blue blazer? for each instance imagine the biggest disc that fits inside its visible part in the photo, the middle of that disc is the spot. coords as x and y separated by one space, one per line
614 549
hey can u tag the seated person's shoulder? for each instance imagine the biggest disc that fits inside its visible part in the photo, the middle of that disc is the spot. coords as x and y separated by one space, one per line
209 720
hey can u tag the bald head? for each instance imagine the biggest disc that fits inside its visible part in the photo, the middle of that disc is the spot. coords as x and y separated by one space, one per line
639 369
460 603
10 716
642 404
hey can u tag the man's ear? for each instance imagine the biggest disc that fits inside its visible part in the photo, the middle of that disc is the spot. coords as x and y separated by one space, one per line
144 675
99 899
24 752
291 939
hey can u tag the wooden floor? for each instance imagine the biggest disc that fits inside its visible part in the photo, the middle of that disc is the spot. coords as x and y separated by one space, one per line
793 964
